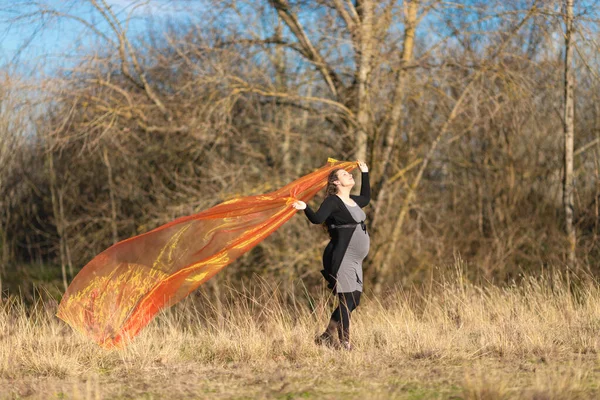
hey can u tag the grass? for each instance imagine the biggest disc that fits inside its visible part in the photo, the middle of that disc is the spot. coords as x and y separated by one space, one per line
451 340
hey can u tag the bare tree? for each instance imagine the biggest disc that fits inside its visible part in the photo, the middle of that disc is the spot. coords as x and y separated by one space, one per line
454 106
569 123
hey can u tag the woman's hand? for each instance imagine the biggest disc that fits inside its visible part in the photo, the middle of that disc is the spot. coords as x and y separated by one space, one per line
363 167
299 205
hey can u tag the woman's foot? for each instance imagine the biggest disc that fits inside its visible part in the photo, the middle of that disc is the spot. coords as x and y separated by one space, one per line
325 339
345 345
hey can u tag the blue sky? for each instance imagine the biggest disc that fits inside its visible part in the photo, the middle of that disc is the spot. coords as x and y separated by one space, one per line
44 42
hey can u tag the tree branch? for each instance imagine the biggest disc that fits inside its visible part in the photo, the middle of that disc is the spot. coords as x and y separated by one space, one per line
309 52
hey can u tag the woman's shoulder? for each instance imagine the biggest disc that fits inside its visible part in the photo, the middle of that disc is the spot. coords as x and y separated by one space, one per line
331 201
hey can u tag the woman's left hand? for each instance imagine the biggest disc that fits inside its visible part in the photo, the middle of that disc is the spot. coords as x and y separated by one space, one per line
363 167
299 205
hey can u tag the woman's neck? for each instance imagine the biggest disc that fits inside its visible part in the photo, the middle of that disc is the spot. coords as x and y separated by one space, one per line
344 193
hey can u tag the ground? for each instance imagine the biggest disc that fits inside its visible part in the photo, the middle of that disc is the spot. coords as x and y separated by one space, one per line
453 340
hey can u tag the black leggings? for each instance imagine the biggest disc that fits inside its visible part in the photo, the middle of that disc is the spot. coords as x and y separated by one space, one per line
348 303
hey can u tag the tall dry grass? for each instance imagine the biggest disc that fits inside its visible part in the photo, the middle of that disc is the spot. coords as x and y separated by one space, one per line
535 339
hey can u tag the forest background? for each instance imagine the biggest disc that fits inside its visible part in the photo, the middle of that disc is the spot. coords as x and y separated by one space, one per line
480 123
479 120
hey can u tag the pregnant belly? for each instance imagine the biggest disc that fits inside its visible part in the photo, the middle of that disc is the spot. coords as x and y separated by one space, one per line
359 244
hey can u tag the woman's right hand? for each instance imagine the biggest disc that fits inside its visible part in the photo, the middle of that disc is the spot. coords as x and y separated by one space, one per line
299 205
362 166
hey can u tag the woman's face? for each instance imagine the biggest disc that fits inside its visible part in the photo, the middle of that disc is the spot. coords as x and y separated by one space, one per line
345 178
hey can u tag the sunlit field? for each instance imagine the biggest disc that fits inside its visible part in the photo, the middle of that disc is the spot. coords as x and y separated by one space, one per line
537 339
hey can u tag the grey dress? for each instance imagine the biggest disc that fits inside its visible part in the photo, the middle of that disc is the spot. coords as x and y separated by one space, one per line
350 274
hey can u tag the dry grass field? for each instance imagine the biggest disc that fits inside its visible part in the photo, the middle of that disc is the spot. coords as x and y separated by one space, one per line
449 340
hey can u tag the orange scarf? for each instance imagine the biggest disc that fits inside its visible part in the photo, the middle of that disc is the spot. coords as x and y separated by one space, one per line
121 289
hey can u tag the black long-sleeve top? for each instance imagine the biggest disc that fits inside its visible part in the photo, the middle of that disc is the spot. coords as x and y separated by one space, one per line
333 211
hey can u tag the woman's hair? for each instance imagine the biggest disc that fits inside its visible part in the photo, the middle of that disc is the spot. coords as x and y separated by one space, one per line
331 190
331 187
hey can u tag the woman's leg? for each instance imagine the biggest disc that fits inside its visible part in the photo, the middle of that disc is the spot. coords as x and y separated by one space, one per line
340 319
327 337
348 303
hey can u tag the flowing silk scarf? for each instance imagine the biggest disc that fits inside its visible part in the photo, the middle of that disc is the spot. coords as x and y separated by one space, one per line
121 290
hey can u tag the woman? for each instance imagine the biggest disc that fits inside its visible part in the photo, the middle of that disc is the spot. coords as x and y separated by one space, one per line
349 245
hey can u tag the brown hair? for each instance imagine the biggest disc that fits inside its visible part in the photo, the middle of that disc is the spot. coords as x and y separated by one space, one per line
331 187
331 190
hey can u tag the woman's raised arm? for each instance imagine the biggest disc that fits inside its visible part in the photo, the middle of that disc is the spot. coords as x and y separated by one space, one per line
365 187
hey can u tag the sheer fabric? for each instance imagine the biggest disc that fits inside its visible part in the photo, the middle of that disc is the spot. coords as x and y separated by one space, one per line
120 290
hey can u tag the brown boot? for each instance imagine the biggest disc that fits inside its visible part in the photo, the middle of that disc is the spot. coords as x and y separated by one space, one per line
327 338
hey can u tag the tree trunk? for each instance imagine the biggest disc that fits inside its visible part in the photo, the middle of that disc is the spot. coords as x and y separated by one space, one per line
5 253
569 132
3 231
283 121
410 24
365 10
284 125
111 191
65 241
304 125
57 216
382 169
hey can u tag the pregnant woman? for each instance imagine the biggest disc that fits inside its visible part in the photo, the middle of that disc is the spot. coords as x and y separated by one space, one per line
349 245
